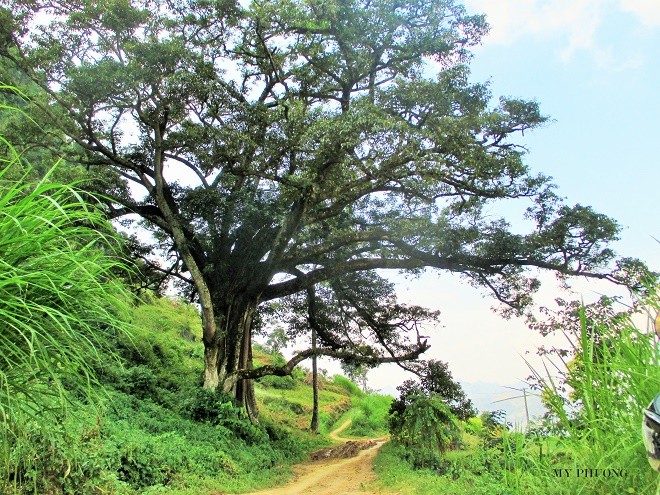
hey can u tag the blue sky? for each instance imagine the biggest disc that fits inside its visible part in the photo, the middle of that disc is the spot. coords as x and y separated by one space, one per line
594 68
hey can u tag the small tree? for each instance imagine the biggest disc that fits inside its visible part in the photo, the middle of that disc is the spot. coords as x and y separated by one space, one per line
435 380
356 373
425 419
277 340
426 428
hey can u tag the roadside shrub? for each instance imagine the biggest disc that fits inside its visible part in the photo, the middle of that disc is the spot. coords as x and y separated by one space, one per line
209 405
474 426
361 426
144 460
494 427
371 417
421 458
218 408
140 381
426 428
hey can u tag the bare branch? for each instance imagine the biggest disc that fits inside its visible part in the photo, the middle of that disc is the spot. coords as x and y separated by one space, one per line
370 360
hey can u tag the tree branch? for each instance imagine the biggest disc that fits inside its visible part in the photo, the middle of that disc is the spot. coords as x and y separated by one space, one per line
288 368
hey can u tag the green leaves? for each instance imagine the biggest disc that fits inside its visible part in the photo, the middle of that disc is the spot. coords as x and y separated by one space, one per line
59 294
426 424
318 138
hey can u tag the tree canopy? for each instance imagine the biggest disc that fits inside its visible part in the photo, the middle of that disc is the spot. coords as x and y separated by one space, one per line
435 380
296 148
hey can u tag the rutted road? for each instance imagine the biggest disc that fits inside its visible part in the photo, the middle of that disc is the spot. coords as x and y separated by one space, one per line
332 476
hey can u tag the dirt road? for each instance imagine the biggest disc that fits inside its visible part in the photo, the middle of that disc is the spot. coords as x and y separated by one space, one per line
332 476
335 434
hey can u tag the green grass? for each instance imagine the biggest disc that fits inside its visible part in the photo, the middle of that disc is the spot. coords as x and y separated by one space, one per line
613 373
61 302
59 295
368 416
468 473
153 428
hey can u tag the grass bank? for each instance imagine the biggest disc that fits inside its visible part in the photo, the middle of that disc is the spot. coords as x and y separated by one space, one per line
589 443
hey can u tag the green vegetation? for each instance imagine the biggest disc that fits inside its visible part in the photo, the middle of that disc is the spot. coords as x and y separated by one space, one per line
153 429
291 405
61 305
458 475
590 441
59 298
425 418
320 142
166 434
99 410
322 156
369 416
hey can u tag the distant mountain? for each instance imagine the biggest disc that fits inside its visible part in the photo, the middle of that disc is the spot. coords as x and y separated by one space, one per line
484 396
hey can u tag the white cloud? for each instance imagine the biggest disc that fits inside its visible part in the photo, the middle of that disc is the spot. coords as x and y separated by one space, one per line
648 11
575 21
573 25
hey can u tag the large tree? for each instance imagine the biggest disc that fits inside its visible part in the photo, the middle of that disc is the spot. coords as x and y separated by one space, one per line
324 140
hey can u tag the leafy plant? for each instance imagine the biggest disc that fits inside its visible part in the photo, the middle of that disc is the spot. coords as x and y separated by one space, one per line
370 415
610 372
60 300
278 382
426 428
219 408
434 379
59 293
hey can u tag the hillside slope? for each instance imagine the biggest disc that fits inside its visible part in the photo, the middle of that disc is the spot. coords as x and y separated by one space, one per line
154 429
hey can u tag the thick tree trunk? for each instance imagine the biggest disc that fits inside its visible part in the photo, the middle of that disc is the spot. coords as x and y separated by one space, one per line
230 351
211 379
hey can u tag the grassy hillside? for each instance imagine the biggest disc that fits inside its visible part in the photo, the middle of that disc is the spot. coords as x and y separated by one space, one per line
148 427
589 443
153 429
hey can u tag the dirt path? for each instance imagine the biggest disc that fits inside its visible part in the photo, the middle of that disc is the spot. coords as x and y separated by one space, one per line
332 476
335 434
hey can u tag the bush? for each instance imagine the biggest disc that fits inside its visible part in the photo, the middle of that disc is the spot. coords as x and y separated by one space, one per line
218 408
140 381
426 427
363 426
371 417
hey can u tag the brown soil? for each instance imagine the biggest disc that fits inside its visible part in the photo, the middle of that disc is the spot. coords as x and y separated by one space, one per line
339 470
343 451
334 435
